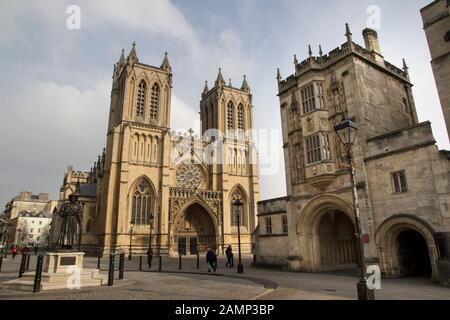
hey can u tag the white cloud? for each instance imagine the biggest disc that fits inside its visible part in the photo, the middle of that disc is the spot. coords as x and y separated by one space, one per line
183 117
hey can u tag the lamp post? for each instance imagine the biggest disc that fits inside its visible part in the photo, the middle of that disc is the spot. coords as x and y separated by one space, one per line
150 222
347 130
238 205
131 239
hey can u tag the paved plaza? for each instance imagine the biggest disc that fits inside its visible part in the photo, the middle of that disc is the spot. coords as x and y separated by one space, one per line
191 283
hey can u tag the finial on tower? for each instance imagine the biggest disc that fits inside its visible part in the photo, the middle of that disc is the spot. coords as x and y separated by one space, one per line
295 59
220 80
166 64
348 33
205 89
309 51
245 86
320 50
132 57
229 83
278 75
405 68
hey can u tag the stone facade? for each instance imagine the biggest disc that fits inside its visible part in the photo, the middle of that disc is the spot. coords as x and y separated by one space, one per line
436 23
402 179
185 182
24 212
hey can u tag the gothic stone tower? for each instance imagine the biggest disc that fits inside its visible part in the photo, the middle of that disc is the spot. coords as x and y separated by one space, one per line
186 183
227 118
134 181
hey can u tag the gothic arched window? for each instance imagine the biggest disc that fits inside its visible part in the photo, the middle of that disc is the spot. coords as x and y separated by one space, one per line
230 115
238 194
241 117
154 103
141 204
140 99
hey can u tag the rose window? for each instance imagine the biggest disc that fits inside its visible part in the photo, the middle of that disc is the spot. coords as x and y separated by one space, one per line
189 176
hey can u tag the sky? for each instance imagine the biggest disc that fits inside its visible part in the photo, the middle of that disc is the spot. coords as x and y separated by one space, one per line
55 80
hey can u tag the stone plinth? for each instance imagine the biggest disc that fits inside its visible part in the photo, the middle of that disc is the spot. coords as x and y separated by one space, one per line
61 270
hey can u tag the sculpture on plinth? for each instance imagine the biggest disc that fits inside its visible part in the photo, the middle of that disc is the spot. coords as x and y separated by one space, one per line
71 216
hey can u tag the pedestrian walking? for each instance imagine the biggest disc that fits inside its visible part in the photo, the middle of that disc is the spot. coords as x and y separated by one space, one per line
14 250
25 250
211 260
149 257
229 254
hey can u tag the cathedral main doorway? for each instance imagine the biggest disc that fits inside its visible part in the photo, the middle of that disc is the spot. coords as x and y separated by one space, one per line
194 232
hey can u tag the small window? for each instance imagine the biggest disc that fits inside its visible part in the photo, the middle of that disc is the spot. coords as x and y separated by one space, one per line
39 230
40 222
38 238
308 99
285 224
399 179
31 230
268 225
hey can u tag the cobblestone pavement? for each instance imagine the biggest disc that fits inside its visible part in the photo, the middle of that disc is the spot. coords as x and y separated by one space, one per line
258 283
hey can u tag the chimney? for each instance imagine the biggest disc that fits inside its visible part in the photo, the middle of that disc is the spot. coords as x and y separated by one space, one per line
371 42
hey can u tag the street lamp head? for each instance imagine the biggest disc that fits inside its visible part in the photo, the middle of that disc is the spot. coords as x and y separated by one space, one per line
150 220
346 130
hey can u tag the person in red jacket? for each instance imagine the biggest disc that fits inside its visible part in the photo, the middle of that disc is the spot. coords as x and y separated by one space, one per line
14 250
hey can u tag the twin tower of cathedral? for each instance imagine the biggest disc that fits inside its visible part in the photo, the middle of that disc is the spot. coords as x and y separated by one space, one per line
175 193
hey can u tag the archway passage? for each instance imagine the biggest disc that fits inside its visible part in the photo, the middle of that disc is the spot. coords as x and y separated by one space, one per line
195 231
337 241
413 255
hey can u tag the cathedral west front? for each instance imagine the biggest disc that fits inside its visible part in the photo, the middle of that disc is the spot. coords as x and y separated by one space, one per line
153 186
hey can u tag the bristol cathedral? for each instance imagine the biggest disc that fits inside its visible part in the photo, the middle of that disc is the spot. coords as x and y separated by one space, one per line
172 191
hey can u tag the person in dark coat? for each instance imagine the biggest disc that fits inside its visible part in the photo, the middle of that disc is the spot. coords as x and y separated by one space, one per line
229 254
149 257
36 249
211 260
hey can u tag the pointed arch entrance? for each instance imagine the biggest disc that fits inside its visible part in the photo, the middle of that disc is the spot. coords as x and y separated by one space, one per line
194 231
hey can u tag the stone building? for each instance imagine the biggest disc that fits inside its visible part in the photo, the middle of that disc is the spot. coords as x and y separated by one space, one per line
21 213
436 23
186 183
402 178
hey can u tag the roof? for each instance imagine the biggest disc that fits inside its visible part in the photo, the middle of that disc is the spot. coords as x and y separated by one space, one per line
88 190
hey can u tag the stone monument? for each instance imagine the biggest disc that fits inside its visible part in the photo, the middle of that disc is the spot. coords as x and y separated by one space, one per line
63 269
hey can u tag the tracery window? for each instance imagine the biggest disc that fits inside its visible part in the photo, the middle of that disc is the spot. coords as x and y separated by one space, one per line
241 117
140 99
154 103
230 116
141 204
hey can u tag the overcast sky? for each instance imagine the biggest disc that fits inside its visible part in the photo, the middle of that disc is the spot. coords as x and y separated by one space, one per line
55 82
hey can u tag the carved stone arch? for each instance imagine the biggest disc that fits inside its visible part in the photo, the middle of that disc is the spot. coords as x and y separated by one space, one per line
310 215
320 249
386 239
200 201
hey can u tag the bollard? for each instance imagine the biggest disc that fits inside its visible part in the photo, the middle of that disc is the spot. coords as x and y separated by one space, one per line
140 263
121 265
111 270
198 261
27 267
1 262
38 275
179 262
98 262
160 263
22 265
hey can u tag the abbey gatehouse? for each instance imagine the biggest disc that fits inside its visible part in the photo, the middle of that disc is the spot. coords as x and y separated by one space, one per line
402 179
